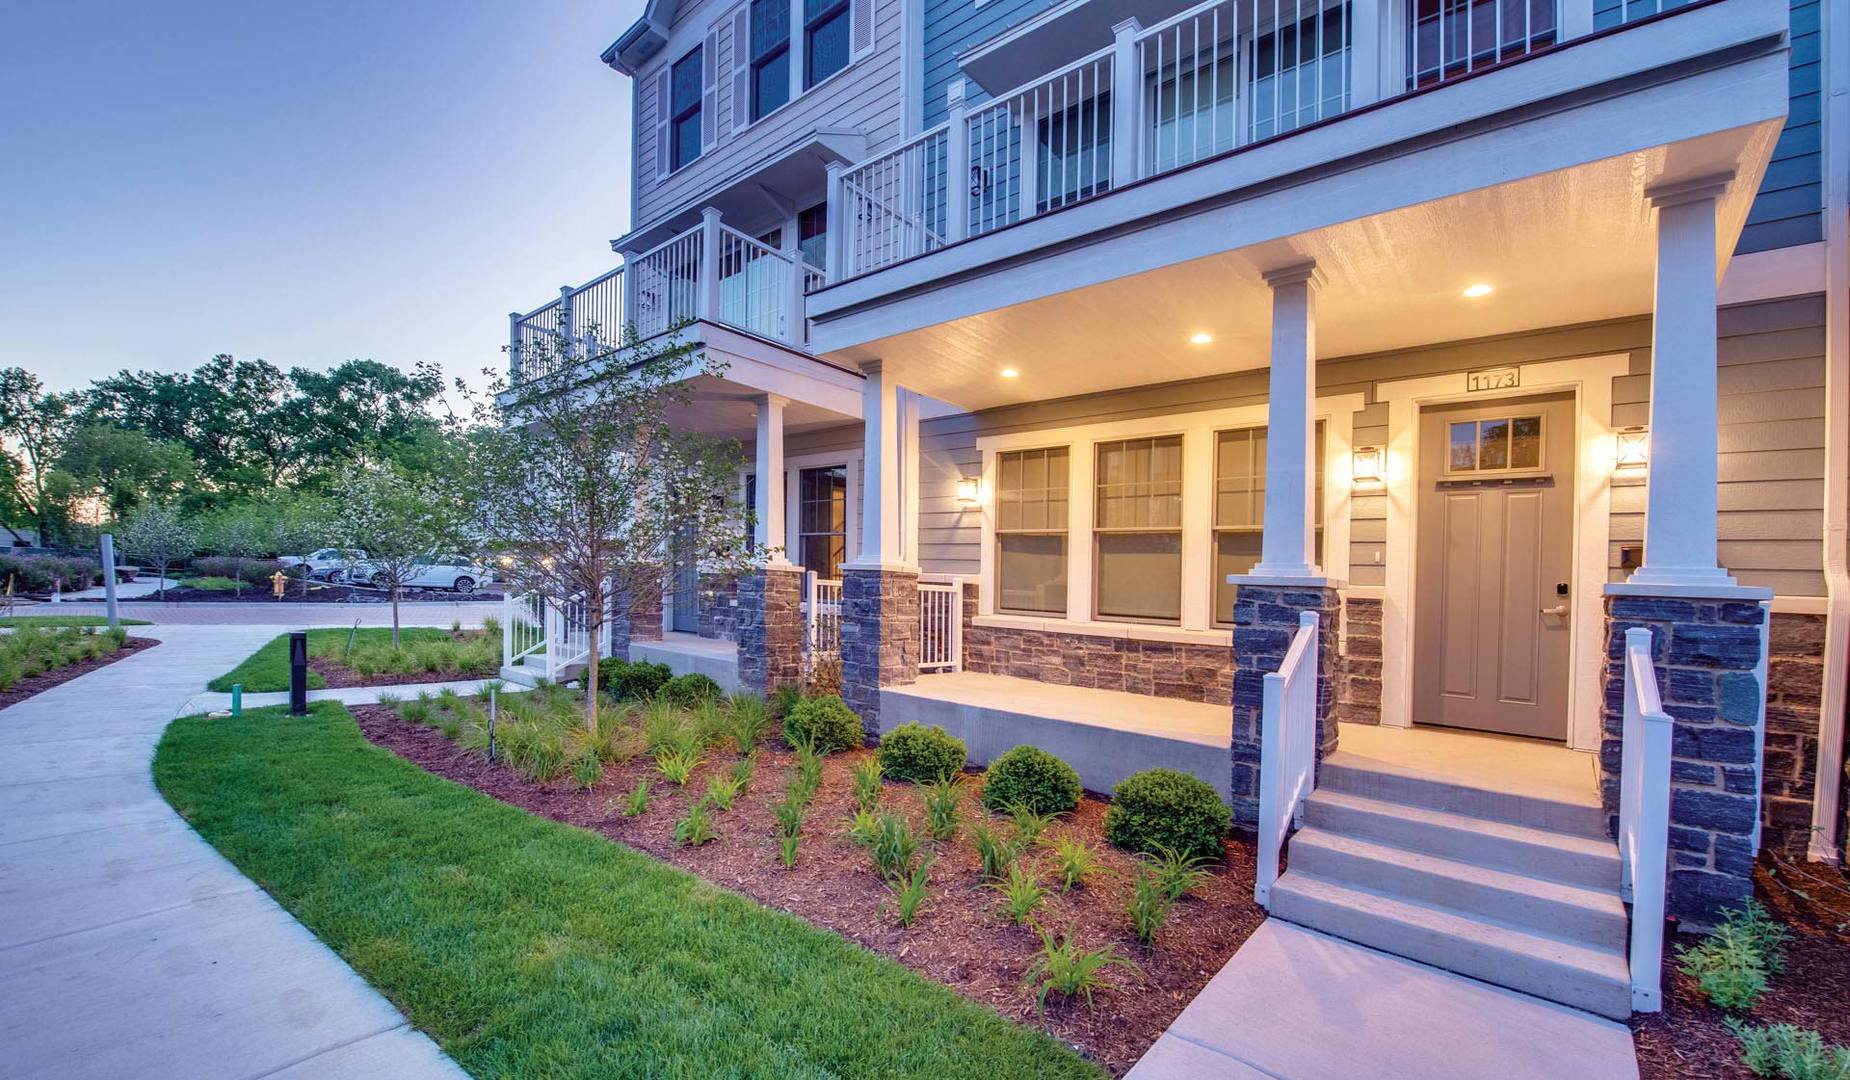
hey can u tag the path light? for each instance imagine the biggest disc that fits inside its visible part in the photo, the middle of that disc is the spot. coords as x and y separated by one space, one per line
1634 447
1367 465
969 490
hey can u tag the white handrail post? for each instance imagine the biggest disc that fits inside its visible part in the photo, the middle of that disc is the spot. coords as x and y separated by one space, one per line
507 627
1271 782
794 312
630 277
1126 90
568 335
513 346
709 264
836 266
957 624
957 165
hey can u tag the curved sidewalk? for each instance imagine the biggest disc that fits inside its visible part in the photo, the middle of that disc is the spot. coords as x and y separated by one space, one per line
128 946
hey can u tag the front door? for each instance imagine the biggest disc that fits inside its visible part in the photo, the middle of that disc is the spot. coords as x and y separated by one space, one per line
686 615
1494 565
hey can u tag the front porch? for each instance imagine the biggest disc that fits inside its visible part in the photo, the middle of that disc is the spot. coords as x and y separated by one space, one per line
691 654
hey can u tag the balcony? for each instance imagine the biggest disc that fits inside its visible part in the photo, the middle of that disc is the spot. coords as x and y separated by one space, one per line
710 273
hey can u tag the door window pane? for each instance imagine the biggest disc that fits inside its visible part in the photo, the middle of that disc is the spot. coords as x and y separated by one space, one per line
1031 517
822 519
1501 445
1526 442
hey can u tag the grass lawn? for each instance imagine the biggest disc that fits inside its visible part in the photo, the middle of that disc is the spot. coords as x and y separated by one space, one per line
215 584
267 669
532 949
64 620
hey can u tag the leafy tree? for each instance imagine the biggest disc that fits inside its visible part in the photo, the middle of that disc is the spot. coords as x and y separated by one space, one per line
160 536
36 423
239 538
361 406
122 468
588 486
399 518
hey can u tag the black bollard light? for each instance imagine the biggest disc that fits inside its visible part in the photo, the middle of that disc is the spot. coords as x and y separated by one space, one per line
298 673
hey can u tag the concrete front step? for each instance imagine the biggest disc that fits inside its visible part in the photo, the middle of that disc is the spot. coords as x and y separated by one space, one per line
1571 912
1573 974
519 674
1366 777
1575 860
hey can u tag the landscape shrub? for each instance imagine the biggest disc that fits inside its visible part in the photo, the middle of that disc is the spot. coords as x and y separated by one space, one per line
689 690
1161 810
632 679
1789 1052
1731 965
921 754
252 571
211 584
34 573
825 723
32 650
1031 777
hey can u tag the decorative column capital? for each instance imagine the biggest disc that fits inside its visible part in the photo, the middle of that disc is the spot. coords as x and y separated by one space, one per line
767 399
1305 272
1667 193
870 368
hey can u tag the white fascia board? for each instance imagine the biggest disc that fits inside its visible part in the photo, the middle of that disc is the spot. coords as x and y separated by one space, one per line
760 365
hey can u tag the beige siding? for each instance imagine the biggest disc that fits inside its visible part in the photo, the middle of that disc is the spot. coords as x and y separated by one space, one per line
1772 437
866 98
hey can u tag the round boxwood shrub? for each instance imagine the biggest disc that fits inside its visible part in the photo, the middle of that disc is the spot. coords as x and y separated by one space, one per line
827 723
1162 808
921 754
633 679
689 690
1031 777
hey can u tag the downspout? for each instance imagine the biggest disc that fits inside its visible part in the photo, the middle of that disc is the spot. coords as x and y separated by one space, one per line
1827 814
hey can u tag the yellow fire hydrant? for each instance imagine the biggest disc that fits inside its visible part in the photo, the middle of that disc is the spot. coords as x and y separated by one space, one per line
277 581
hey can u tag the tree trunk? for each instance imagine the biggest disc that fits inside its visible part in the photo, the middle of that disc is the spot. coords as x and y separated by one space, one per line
394 616
591 687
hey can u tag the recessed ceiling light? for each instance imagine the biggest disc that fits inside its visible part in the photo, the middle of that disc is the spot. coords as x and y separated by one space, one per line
1200 338
1480 289
1009 373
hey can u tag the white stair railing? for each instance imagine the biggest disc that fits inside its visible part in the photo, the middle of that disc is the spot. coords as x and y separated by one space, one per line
523 627
1644 817
822 621
1287 749
568 635
941 625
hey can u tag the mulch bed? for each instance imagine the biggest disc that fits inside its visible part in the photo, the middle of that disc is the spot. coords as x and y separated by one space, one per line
1688 1040
38 684
959 938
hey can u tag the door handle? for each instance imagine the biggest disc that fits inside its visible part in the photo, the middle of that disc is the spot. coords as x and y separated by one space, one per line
1558 609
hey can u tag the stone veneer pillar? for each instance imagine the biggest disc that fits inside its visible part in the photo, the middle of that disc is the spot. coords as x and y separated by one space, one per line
770 629
634 618
880 639
1707 655
1265 619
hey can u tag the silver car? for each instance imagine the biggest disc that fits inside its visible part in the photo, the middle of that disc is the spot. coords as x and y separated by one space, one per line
428 572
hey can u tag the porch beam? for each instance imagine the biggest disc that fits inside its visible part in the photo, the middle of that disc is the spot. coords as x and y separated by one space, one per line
768 498
1680 501
1288 541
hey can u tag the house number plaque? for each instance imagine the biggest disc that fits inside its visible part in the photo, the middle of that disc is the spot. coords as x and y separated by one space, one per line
1503 378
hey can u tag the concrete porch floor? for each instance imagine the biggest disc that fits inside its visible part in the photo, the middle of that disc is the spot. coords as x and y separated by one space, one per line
689 654
1528 768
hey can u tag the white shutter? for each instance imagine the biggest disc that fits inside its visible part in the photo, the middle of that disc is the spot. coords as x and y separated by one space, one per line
742 66
662 106
860 28
709 81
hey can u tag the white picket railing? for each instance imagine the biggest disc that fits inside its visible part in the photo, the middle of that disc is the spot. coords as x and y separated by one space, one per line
666 284
523 627
941 625
821 621
1287 749
568 635
1644 817
894 206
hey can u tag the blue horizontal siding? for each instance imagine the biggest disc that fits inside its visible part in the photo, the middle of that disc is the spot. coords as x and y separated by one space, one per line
951 28
1789 207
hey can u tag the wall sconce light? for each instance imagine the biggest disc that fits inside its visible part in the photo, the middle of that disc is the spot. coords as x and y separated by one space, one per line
1368 464
1634 448
967 490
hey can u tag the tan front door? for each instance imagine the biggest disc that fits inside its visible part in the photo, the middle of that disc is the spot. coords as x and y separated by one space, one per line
1495 563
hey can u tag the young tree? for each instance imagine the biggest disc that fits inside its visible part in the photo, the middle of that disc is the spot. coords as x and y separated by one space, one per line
398 519
239 537
588 486
159 536
36 422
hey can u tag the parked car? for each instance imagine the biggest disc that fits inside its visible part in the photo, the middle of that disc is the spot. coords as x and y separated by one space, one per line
430 572
327 564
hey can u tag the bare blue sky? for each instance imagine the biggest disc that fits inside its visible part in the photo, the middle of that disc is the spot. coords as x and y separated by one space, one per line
302 182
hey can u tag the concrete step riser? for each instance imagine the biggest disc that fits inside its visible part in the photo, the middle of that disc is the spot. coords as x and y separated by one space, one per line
1599 927
1595 871
1502 967
1535 813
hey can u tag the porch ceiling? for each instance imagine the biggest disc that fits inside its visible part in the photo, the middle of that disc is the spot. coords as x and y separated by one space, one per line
1559 248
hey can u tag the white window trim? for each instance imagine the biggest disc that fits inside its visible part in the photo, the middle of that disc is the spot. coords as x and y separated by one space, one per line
1336 412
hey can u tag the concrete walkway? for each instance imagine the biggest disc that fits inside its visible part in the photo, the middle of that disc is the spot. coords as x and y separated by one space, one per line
346 695
128 947
1294 1004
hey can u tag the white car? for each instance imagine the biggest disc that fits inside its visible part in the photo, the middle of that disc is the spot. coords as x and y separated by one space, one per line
327 564
429 572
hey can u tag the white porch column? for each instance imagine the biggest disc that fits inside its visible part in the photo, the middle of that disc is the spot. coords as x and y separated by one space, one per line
908 478
768 500
1288 543
881 471
1680 499
709 264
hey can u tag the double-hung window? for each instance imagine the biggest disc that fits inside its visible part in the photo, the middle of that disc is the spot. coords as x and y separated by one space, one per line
822 519
770 56
1137 530
1031 509
1239 508
684 110
825 39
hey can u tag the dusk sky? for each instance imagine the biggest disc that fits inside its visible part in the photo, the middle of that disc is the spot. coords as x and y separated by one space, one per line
304 183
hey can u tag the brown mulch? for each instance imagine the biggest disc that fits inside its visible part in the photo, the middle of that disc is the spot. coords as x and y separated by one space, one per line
38 684
1688 1040
959 938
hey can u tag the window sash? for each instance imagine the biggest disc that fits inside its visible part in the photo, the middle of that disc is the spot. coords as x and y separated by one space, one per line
826 25
822 519
1031 552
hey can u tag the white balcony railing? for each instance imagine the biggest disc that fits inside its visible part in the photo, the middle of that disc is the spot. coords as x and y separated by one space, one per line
894 206
1287 750
941 625
1644 817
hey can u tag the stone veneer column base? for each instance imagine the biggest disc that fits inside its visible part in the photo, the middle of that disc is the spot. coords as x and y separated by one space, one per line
1707 655
634 618
1265 619
880 639
770 629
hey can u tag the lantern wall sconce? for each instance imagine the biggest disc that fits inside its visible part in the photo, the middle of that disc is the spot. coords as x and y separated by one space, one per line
1633 446
968 490
1368 465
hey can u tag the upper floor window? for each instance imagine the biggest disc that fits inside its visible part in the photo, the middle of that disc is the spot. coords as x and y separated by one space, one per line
770 56
825 39
684 109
